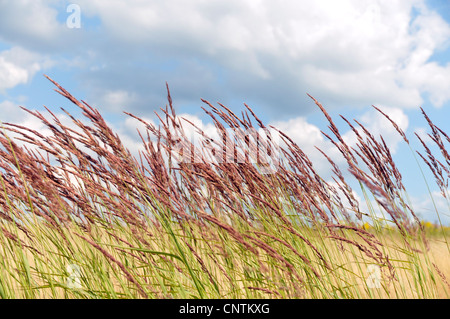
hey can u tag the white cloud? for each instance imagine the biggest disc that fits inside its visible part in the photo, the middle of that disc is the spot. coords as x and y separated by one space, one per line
118 100
356 51
431 78
423 134
377 124
128 133
32 21
308 136
17 66
10 111
11 75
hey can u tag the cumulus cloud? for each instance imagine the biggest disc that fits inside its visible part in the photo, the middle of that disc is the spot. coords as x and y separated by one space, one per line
34 24
272 53
261 52
11 75
378 125
9 111
423 134
118 99
17 66
308 136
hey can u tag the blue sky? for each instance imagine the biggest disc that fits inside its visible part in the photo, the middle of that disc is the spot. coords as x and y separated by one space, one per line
347 54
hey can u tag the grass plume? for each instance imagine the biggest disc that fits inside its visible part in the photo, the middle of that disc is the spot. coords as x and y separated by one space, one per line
183 221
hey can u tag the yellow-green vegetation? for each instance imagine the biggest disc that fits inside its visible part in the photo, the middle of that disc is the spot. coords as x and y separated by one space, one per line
80 217
120 261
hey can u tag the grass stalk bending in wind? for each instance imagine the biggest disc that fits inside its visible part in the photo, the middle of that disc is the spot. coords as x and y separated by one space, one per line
81 217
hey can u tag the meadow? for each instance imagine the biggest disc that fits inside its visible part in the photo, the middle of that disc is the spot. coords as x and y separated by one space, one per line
81 217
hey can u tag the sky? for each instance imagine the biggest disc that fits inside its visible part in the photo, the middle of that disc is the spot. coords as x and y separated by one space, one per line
350 55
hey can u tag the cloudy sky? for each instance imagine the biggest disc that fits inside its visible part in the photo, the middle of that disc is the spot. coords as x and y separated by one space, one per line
347 54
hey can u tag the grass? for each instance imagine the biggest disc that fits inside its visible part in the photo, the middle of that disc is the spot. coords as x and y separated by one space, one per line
80 217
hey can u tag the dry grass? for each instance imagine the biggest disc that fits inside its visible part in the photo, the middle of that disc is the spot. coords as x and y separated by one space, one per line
159 226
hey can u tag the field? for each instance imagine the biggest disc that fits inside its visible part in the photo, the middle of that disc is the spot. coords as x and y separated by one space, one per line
81 217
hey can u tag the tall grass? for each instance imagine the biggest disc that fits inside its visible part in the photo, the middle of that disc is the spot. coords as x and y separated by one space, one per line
81 217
